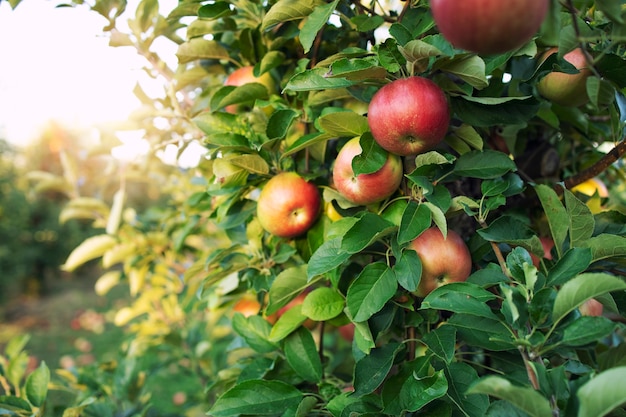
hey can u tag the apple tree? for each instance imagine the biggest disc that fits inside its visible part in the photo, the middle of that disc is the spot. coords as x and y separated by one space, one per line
352 299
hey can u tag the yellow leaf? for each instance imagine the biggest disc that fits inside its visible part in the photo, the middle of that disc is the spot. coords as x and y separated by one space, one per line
91 248
106 282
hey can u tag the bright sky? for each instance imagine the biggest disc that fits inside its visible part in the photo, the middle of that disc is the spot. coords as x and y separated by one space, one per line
56 64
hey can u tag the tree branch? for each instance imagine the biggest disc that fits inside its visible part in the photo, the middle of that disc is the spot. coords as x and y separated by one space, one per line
606 161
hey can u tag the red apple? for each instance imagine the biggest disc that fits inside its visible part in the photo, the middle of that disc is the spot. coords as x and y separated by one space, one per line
248 306
409 116
591 307
288 205
566 89
444 260
547 243
347 331
365 189
245 75
489 26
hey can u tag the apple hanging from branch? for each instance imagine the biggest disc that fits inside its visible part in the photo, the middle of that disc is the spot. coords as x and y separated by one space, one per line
489 26
444 259
563 88
409 116
288 205
364 189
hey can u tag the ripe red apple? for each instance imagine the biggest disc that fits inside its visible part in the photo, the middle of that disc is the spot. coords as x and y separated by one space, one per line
566 89
245 75
365 189
444 260
547 243
489 26
591 307
409 116
288 205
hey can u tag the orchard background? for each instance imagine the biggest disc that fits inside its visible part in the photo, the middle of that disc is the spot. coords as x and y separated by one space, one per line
330 321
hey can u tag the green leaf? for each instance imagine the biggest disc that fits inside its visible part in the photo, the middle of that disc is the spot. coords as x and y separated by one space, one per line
372 156
327 257
408 392
287 323
37 385
461 297
370 291
512 230
286 286
279 123
408 269
603 393
358 69
469 68
247 93
585 330
257 397
316 21
558 219
369 228
217 10
343 124
581 222
389 56
605 246
371 370
484 164
200 48
573 262
288 10
524 398
316 79
15 345
415 219
480 112
581 288
441 342
460 377
255 330
323 304
301 354
482 332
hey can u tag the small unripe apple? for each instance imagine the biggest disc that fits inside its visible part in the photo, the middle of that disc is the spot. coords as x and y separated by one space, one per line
444 259
591 307
489 26
566 89
245 75
365 189
288 205
409 116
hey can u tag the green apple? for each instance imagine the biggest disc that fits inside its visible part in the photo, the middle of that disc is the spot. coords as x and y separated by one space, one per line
566 89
